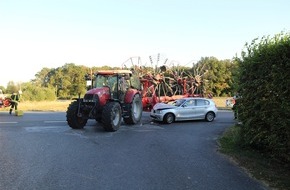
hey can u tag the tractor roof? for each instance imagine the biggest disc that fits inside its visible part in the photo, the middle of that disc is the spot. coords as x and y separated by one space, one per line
111 72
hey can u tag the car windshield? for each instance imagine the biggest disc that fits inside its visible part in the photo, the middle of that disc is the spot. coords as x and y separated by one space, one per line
178 102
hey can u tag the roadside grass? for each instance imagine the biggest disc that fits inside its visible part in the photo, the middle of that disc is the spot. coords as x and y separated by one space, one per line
273 173
63 104
43 105
221 102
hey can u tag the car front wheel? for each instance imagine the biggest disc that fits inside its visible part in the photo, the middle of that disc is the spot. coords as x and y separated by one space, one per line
168 118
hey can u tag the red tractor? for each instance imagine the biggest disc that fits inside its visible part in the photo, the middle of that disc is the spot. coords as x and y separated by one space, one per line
115 94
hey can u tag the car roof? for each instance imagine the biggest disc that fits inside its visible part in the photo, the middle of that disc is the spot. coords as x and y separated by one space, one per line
193 98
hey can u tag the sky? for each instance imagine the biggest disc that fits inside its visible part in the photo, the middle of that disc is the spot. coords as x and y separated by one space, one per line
35 34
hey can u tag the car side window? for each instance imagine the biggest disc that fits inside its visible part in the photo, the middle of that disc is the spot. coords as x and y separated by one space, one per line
207 102
190 103
200 102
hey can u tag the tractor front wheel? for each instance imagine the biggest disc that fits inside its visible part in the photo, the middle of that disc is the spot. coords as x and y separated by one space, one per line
111 116
72 118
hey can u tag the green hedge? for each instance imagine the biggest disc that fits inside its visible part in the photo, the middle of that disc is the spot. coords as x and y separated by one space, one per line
264 80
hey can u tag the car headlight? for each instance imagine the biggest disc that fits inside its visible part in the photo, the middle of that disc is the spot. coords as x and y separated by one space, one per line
158 111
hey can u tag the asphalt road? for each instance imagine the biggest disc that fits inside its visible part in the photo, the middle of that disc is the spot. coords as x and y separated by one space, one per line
40 151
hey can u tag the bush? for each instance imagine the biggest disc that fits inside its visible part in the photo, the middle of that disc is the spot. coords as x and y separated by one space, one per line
264 86
36 93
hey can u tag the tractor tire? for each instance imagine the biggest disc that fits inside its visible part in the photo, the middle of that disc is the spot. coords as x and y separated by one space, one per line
135 113
99 120
111 116
72 118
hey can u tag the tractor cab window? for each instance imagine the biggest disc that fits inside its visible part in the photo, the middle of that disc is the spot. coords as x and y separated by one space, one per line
107 80
101 81
113 83
124 83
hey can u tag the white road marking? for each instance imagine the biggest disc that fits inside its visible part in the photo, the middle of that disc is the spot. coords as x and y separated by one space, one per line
54 121
8 122
45 128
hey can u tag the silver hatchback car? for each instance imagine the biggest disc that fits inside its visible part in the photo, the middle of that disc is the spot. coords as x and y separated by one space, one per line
185 109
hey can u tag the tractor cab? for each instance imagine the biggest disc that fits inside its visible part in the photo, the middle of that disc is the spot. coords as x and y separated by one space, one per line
117 81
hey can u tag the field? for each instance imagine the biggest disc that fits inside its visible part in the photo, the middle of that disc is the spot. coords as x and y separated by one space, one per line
62 105
43 106
221 102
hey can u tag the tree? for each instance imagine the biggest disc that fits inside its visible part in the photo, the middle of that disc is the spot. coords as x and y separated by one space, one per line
68 80
11 87
42 77
218 75
75 78
2 88
32 92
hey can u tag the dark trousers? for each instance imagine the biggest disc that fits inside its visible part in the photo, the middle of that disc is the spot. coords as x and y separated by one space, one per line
13 105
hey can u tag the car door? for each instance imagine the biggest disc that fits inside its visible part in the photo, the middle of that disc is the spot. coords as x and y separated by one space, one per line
200 108
186 111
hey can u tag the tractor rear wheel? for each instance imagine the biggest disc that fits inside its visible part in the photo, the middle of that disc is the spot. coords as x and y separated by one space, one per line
111 116
72 118
136 111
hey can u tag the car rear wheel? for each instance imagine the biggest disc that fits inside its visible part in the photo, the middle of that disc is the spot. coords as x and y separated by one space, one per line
209 116
169 118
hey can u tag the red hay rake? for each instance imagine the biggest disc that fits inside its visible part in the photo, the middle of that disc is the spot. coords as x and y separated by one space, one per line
166 83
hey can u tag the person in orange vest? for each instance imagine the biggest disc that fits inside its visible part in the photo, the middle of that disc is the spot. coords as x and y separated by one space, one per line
15 99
